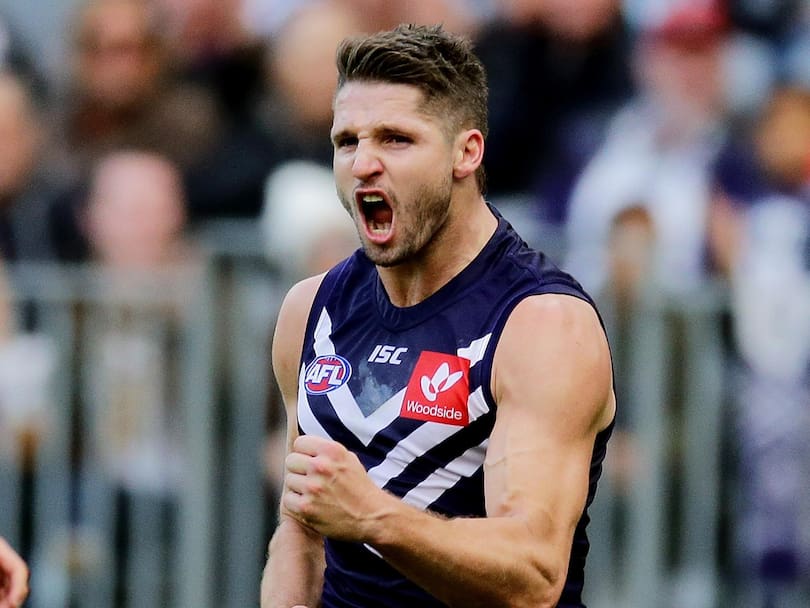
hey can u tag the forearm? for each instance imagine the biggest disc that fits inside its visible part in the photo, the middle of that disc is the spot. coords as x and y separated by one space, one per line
499 561
294 571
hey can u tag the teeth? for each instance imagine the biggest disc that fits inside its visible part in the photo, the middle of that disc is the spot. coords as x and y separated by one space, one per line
372 198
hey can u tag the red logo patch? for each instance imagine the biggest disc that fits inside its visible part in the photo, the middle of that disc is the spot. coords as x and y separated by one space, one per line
438 389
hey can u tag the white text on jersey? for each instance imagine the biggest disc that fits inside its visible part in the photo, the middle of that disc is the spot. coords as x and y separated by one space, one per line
384 353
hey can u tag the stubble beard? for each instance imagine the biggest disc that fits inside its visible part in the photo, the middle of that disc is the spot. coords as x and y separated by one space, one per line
418 224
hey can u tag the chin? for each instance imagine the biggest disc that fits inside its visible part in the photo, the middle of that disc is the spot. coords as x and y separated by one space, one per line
382 257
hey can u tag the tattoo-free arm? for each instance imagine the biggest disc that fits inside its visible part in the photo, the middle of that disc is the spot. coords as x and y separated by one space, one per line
293 574
552 383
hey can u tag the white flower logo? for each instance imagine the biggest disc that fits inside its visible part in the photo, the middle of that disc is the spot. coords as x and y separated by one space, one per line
441 381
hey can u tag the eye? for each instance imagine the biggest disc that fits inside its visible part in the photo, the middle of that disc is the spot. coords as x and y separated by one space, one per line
397 138
346 141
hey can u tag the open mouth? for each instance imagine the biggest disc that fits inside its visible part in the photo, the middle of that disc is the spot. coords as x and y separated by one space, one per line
378 214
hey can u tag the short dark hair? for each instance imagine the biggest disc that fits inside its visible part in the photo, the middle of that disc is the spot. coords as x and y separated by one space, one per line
440 64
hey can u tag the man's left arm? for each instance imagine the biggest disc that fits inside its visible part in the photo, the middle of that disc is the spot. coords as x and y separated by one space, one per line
552 383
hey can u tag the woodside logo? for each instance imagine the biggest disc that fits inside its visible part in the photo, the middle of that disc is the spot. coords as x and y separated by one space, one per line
438 389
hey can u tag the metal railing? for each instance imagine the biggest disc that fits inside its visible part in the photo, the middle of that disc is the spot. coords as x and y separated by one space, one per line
656 519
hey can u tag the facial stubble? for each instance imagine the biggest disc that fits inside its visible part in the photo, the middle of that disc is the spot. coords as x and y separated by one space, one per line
418 224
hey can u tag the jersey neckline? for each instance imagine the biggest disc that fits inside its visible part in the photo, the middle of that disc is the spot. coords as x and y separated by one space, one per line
397 318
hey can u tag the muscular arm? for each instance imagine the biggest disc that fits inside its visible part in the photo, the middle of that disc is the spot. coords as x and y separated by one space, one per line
552 382
294 571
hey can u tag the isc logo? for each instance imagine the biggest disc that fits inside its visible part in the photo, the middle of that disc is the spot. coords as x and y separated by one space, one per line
385 353
326 373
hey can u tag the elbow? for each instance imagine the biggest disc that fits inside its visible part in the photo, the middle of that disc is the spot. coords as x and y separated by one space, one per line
533 587
543 588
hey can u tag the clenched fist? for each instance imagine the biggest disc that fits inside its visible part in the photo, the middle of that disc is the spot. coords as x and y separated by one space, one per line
328 490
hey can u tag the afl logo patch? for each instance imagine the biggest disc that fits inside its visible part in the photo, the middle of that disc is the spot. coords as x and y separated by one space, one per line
326 373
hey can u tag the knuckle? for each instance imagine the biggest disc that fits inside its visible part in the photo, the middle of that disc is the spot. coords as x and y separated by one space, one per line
321 465
314 488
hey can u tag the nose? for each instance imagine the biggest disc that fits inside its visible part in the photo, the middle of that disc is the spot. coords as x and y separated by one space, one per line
366 162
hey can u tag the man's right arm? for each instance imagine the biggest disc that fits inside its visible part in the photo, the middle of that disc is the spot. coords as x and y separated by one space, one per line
293 575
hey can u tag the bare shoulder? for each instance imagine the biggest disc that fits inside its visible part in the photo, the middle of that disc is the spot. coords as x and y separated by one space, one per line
288 337
554 348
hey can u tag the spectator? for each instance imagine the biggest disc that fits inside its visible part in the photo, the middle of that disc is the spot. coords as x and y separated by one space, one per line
642 221
27 359
658 154
123 94
149 274
292 120
303 81
556 69
771 288
26 191
211 46
135 216
782 141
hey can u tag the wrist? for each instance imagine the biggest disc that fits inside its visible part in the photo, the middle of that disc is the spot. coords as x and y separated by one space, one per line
383 520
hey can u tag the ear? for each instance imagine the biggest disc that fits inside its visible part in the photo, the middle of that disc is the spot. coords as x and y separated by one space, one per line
469 153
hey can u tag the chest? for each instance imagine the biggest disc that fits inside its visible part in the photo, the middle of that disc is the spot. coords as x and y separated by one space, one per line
372 388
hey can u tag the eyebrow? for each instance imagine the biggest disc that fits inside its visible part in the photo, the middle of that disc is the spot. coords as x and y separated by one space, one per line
342 134
380 130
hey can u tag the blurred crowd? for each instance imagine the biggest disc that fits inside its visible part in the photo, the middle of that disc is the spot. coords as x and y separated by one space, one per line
665 142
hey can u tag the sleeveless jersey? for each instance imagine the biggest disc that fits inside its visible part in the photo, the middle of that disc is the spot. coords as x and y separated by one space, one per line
408 390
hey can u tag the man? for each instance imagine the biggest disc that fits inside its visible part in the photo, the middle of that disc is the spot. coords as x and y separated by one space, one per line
13 577
450 408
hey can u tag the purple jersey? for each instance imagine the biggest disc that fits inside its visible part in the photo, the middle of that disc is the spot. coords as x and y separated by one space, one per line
408 390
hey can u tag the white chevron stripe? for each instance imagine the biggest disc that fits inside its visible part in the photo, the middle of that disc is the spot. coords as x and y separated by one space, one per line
445 478
421 440
365 428
323 335
477 405
306 419
475 351
342 400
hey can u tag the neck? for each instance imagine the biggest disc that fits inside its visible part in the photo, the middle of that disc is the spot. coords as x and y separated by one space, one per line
465 233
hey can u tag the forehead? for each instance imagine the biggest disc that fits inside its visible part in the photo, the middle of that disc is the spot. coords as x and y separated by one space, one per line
360 104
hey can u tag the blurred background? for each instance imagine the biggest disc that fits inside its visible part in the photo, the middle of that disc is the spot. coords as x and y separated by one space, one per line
165 176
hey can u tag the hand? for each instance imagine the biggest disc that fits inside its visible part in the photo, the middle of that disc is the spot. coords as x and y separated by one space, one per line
327 489
13 577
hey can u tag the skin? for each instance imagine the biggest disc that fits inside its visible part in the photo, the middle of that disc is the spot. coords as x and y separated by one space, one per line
13 577
117 66
20 137
387 144
136 212
537 463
